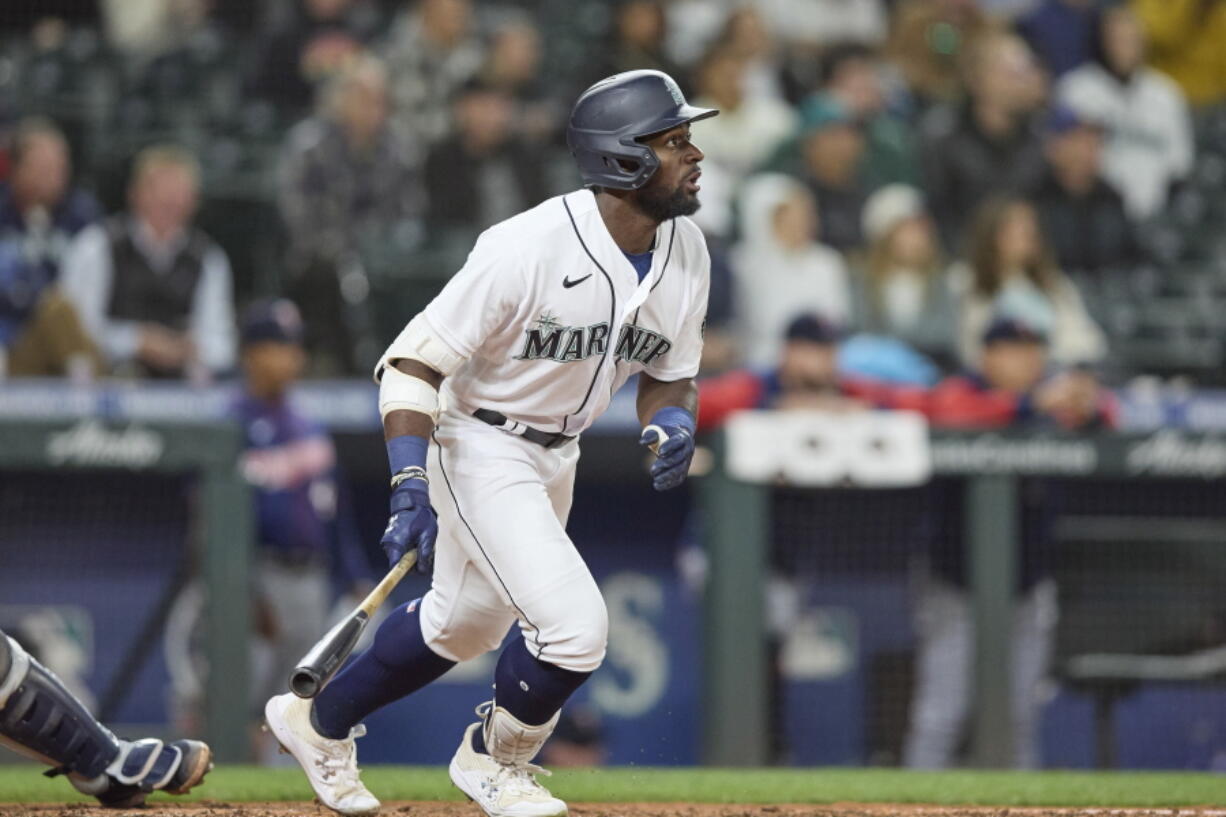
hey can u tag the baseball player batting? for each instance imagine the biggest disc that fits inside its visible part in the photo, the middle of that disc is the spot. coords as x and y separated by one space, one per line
553 311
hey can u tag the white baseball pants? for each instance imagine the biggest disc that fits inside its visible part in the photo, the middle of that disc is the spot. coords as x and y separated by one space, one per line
503 554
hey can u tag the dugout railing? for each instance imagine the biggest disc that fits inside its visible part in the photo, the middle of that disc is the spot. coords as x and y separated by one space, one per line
219 533
989 471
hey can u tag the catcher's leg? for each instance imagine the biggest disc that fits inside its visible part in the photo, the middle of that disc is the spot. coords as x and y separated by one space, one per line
41 719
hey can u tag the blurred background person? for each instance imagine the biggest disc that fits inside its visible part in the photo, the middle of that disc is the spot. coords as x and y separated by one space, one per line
745 35
1186 39
1149 145
780 267
832 146
1009 387
153 290
1061 33
40 212
1081 213
483 172
513 66
344 184
803 375
432 51
1009 271
317 40
747 131
851 75
815 24
900 289
307 543
928 42
638 39
990 143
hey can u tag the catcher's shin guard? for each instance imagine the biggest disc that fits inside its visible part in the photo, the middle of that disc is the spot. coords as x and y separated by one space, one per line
41 719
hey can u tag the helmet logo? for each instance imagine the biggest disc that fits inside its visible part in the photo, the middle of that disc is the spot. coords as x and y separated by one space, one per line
675 92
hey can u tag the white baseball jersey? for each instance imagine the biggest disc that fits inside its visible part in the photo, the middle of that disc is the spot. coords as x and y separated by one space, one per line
552 318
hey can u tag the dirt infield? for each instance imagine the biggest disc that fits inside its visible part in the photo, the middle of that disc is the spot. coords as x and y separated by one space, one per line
218 809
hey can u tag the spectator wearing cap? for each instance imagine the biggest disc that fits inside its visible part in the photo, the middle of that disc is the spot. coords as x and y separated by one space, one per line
305 529
1082 214
804 375
40 213
1008 270
989 144
900 289
1011 383
1149 146
832 145
153 290
779 266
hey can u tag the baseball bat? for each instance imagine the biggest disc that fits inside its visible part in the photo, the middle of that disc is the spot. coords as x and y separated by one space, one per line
323 660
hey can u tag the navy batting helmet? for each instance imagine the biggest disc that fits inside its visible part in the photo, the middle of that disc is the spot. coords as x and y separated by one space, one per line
610 117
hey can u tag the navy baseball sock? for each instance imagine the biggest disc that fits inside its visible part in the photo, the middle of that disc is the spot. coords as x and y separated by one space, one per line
397 663
530 689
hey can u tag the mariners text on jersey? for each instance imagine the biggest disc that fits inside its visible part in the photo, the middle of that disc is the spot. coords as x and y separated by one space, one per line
550 340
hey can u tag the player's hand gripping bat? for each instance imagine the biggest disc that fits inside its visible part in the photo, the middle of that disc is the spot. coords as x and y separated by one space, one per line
323 660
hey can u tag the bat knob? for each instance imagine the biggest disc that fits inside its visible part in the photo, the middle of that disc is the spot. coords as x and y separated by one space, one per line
661 437
305 682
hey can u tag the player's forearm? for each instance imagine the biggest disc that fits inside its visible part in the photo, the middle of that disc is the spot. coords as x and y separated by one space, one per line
657 394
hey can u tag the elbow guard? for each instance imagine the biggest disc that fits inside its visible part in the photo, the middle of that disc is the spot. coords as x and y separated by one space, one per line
418 342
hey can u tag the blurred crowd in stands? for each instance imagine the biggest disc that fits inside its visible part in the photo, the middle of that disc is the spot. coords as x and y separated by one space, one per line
909 171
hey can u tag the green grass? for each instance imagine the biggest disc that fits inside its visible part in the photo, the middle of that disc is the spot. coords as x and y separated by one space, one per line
246 783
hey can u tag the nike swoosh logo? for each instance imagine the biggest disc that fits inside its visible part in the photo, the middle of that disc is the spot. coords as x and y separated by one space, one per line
567 283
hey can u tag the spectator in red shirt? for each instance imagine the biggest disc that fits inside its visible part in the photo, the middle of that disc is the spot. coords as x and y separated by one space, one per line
1011 387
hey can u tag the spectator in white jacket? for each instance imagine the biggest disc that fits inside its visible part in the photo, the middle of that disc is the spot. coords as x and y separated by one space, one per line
780 268
752 127
1010 272
1149 145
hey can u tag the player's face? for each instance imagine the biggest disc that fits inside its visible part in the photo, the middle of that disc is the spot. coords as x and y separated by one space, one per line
673 190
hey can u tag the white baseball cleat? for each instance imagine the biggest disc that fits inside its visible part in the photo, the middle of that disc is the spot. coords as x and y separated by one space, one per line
501 789
330 765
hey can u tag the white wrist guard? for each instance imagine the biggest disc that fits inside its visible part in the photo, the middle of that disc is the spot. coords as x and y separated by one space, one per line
400 391
417 342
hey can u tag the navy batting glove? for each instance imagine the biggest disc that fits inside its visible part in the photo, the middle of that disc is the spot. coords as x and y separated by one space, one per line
413 523
673 454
